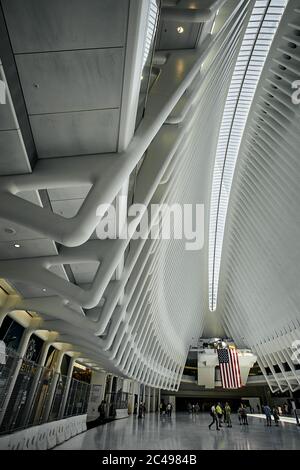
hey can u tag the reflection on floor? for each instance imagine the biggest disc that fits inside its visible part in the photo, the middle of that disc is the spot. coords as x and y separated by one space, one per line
184 431
283 419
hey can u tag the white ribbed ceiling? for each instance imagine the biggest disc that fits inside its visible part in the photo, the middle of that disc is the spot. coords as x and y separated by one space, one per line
259 294
257 40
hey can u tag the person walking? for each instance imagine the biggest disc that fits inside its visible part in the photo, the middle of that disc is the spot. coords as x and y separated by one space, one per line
240 413
228 415
141 410
267 411
102 411
276 415
219 412
214 416
244 415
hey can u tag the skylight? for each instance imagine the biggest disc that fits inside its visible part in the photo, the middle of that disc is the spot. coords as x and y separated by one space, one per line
258 38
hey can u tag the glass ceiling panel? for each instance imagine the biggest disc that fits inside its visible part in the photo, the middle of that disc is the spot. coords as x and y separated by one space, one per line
257 40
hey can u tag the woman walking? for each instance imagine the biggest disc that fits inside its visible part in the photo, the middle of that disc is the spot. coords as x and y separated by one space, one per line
214 416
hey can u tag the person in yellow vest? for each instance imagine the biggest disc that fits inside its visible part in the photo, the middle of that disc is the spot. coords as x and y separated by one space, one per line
214 416
219 412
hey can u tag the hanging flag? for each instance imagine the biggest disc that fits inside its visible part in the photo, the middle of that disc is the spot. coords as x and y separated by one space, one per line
230 368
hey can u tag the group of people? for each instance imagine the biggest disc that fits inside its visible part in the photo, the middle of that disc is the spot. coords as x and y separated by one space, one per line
193 408
220 415
269 412
242 414
166 409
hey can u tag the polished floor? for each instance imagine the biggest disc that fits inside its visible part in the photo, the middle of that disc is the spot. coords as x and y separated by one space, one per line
184 431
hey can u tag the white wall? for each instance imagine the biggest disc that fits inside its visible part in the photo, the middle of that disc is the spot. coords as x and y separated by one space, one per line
98 381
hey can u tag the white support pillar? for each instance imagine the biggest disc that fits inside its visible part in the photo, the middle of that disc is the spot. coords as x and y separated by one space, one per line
67 388
153 399
52 387
21 351
7 304
109 396
149 399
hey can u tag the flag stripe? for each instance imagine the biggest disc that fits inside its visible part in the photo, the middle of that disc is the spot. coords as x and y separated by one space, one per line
229 368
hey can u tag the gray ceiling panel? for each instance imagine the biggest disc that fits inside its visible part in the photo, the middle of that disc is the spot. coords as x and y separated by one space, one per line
31 196
76 192
79 133
13 154
28 249
28 290
59 270
64 25
71 81
67 208
10 231
84 273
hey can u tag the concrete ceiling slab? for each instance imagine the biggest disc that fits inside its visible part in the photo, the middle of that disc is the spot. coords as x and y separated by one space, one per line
67 208
79 133
65 25
71 80
77 192
84 273
28 249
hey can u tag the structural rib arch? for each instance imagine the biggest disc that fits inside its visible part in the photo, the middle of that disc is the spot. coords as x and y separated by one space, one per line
259 280
259 34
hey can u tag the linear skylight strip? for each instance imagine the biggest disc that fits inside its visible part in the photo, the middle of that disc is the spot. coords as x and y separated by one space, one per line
151 29
256 43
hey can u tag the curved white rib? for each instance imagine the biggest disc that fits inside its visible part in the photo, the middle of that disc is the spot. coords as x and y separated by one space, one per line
258 37
259 293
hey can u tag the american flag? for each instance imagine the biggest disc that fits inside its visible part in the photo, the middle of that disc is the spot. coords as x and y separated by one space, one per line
230 368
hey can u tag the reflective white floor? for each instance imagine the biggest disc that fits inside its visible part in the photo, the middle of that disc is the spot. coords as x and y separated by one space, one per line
184 431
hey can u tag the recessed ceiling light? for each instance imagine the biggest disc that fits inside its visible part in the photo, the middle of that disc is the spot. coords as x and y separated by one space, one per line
180 29
17 245
44 290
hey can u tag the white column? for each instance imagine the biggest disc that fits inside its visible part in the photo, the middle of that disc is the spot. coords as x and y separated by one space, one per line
67 388
8 305
153 399
109 396
52 387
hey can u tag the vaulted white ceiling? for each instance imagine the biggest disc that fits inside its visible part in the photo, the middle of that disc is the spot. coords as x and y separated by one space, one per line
86 120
